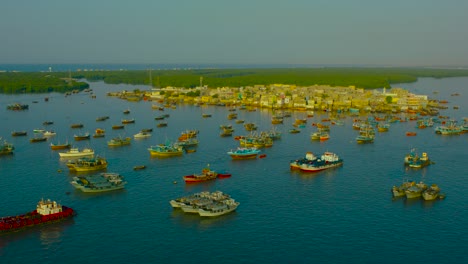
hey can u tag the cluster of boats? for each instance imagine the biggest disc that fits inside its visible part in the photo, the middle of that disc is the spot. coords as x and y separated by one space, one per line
103 182
46 212
312 163
411 190
206 204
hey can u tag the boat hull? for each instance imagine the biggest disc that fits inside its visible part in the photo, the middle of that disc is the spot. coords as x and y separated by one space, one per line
314 168
16 223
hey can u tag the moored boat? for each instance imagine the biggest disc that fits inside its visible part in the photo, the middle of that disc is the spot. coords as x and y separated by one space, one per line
206 175
244 153
166 150
296 164
6 148
415 190
431 193
19 133
118 127
78 125
128 121
119 141
84 136
87 164
76 153
46 212
325 161
142 134
37 139
65 145
103 182
99 132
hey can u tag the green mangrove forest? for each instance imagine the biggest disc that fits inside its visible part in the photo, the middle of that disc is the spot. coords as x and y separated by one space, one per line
368 78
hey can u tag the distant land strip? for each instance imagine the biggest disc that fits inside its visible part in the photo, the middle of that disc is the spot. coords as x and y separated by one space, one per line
367 78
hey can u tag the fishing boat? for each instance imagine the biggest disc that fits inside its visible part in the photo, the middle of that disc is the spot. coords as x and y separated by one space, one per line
128 121
119 141
17 106
324 136
142 134
160 117
296 164
250 126
166 150
326 161
126 111
206 115
118 127
46 212
244 153
37 139
76 153
49 133
46 123
224 174
102 118
431 193
60 146
19 133
411 134
189 142
399 191
84 136
78 125
103 182
294 131
6 148
99 132
416 161
206 175
188 134
206 204
87 164
218 209
139 167
162 124
415 190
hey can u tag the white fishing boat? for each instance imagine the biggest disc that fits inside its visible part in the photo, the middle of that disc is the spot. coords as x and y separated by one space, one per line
76 153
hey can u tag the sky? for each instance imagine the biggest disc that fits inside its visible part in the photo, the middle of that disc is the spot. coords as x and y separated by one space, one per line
309 32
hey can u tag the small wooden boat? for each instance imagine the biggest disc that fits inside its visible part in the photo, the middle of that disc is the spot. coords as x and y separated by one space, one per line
162 124
127 111
128 121
410 134
224 174
147 130
82 137
190 150
60 146
46 123
262 156
19 133
76 125
294 131
37 139
118 127
139 167
102 118
206 115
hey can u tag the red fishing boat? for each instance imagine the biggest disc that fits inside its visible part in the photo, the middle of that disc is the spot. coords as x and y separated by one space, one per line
224 174
47 211
206 175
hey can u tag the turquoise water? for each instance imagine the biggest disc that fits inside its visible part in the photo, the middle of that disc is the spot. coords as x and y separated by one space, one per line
344 215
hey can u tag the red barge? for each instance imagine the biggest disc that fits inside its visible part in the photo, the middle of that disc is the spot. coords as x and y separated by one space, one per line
47 211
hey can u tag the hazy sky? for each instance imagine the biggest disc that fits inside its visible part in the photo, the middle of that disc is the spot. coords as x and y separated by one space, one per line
376 32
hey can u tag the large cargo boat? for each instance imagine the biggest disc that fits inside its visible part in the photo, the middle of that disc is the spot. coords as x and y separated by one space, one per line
47 211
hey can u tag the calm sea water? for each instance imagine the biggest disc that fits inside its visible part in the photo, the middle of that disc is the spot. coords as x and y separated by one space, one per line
344 215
